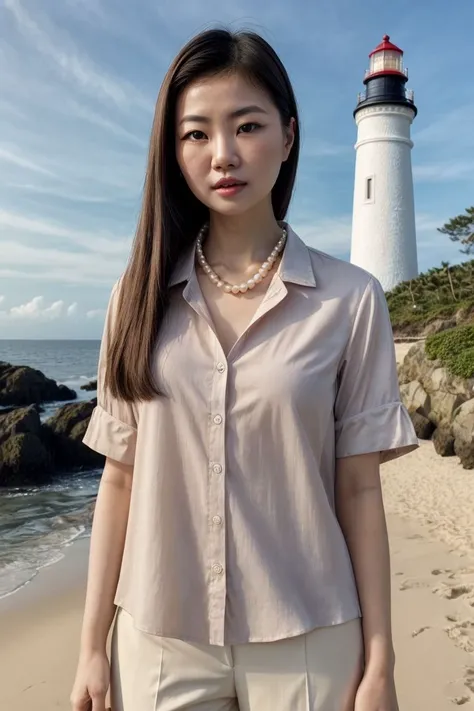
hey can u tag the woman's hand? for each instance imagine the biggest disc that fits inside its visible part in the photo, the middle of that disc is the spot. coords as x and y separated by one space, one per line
376 693
91 683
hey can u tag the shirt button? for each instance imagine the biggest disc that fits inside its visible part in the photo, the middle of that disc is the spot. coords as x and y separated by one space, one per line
217 569
217 468
221 367
218 419
217 520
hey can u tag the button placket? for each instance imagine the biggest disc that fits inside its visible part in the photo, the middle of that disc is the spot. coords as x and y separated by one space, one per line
216 499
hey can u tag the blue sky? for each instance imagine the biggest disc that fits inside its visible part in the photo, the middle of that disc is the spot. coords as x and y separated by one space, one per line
79 81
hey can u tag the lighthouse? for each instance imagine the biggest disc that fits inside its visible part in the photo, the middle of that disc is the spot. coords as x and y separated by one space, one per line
383 222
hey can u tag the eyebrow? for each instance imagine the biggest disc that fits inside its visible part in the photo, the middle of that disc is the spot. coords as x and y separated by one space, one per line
253 109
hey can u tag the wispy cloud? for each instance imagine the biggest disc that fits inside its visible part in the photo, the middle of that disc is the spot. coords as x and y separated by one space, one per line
313 148
442 172
16 158
73 65
105 244
95 313
63 194
36 310
108 125
451 127
57 266
331 235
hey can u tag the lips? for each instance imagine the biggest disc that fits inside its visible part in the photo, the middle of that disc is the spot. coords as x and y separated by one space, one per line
228 184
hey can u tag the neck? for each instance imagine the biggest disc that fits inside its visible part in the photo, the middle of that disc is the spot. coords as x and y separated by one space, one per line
238 241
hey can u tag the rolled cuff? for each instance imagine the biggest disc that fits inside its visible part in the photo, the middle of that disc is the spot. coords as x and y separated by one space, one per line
387 429
111 437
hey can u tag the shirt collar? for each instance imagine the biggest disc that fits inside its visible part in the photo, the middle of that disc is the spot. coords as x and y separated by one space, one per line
296 265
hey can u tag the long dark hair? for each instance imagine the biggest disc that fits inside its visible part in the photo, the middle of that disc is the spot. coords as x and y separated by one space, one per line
171 215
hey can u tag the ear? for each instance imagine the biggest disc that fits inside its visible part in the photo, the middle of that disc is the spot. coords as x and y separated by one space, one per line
290 132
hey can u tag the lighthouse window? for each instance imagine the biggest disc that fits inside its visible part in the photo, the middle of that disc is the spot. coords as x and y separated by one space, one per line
369 189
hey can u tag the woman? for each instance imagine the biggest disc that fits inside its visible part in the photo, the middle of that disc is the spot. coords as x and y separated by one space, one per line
247 393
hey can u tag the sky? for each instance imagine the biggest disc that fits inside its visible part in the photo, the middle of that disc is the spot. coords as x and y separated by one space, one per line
78 86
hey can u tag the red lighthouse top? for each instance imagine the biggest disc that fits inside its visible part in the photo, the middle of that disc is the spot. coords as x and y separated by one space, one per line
386 45
385 59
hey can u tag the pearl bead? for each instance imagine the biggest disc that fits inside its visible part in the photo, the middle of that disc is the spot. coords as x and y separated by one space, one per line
257 278
271 260
227 288
263 272
244 287
265 265
235 289
251 283
214 278
207 269
220 283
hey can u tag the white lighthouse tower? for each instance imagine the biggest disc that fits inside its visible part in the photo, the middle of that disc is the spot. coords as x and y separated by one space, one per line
383 226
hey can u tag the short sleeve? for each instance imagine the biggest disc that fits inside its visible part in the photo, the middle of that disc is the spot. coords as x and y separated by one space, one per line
369 414
112 429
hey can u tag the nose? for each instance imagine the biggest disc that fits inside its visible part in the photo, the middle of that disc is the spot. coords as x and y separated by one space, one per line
225 155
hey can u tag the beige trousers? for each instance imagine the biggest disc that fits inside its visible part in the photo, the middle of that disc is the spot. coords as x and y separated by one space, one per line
317 671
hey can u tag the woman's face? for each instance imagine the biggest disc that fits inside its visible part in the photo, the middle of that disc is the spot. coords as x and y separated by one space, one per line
228 128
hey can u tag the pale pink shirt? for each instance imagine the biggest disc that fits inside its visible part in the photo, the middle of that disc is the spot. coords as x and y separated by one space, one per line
232 533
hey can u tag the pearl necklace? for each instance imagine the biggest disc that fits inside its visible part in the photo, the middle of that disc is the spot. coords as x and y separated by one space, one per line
266 267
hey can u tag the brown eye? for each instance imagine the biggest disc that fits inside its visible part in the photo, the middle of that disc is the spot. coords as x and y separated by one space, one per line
193 136
251 126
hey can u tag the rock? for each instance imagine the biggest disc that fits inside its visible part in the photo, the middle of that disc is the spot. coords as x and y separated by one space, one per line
463 431
64 432
24 460
92 385
465 452
443 406
424 428
18 421
22 385
443 440
32 452
67 416
439 325
415 398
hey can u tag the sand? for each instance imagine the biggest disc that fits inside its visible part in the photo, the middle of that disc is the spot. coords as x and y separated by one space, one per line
430 512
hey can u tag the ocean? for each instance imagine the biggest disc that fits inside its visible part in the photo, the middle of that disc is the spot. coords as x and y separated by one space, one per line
38 523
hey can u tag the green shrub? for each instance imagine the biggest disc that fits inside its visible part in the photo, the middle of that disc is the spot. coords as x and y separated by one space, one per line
440 293
455 349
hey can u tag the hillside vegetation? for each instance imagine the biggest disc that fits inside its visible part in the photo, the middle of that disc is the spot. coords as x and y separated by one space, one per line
438 299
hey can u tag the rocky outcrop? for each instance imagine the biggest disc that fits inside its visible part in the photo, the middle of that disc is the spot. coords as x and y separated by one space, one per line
441 405
65 430
32 452
92 385
23 457
22 385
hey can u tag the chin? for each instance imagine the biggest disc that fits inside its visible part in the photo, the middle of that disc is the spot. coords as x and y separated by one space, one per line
233 207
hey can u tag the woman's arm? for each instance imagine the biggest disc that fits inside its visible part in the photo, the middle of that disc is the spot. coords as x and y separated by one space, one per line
106 551
360 511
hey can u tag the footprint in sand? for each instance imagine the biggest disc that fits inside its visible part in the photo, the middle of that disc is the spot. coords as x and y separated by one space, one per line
460 700
413 584
452 592
469 678
415 633
462 634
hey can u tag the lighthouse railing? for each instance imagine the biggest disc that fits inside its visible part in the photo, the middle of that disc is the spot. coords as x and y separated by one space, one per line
409 95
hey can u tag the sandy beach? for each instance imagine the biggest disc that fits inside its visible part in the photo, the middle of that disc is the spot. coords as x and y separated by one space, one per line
430 511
